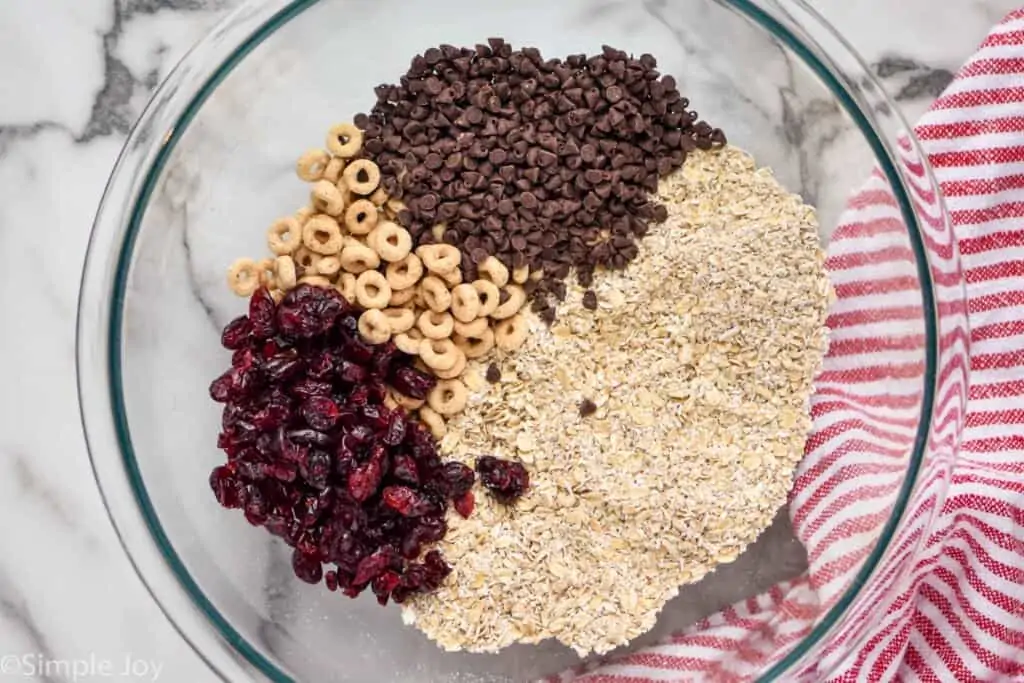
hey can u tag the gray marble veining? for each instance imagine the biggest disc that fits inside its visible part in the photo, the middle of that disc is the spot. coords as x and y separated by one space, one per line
74 75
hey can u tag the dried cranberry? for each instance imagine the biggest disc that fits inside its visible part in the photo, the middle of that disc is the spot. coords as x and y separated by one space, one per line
453 479
320 365
226 487
436 566
464 504
384 584
403 468
261 314
407 502
220 388
281 471
316 457
308 311
374 565
317 469
383 357
307 388
348 325
320 413
365 479
505 479
255 506
310 437
271 416
395 432
412 383
282 366
357 350
237 333
306 567
359 396
352 373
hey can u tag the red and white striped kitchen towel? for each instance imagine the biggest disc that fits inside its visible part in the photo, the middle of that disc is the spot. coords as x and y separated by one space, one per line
947 600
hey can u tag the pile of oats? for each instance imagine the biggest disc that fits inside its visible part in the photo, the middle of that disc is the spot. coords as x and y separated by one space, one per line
700 359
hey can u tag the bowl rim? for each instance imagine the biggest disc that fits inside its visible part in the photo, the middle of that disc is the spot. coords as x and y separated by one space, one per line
280 13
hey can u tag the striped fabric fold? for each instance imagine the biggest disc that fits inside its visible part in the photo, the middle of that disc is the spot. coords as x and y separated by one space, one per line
946 602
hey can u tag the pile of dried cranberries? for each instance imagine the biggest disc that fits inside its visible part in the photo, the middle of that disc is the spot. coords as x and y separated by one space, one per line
317 458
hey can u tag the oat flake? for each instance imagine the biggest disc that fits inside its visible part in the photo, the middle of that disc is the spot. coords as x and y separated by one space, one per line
700 359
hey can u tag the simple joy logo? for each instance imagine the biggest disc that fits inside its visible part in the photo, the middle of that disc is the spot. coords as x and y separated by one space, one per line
90 668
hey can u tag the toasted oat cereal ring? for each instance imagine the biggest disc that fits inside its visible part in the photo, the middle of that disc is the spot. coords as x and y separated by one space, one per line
435 293
321 234
409 342
438 231
520 275
244 277
406 402
284 269
452 278
329 265
476 346
438 354
513 304
310 166
494 270
433 422
276 295
400 319
306 260
439 258
473 328
465 303
361 176
285 235
357 258
435 325
536 275
489 295
372 290
448 397
316 281
303 214
347 287
344 140
402 297
510 334
394 206
379 197
268 278
332 172
456 370
405 273
361 217
391 241
327 198
373 327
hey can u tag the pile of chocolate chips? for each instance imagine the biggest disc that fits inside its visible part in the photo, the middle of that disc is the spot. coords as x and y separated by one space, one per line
546 163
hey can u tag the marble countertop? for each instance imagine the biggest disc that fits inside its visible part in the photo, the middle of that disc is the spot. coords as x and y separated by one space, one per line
74 74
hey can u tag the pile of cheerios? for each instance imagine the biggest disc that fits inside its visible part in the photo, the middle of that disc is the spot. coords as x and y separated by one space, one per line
347 238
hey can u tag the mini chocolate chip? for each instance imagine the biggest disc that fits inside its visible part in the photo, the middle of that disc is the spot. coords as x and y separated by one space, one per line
587 408
493 373
547 316
590 300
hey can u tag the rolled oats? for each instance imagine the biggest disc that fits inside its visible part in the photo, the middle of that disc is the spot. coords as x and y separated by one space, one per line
696 366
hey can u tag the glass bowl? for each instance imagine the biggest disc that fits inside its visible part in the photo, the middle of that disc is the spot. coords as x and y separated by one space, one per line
211 160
